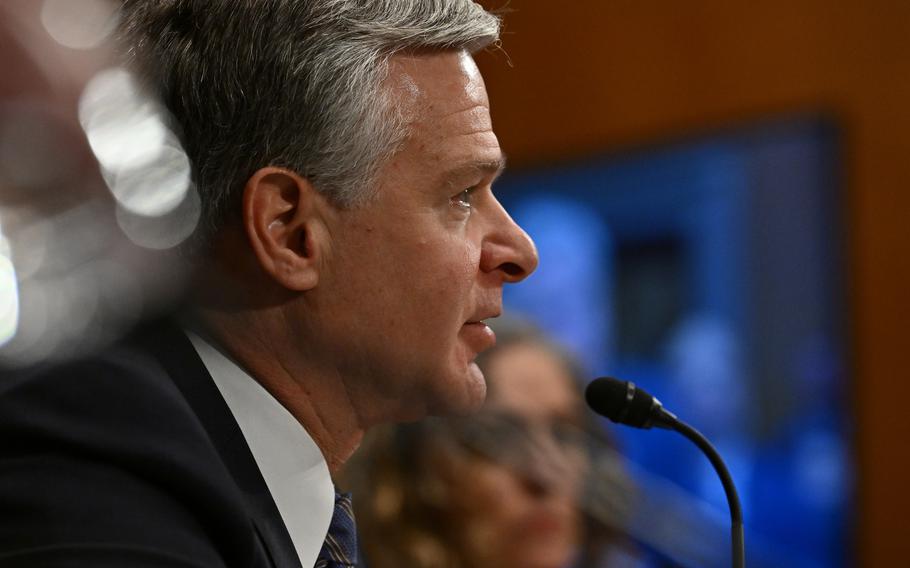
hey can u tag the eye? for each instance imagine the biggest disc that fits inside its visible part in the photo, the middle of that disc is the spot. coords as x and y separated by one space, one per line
465 198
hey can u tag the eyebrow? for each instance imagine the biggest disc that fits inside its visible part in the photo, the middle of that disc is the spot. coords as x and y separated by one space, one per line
487 167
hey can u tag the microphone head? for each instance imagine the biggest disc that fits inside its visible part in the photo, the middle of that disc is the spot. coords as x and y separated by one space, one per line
622 402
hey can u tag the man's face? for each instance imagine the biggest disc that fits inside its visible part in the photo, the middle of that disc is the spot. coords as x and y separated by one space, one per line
408 278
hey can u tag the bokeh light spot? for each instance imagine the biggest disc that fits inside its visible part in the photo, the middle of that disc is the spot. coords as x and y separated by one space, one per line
124 128
155 189
164 231
9 294
78 24
141 159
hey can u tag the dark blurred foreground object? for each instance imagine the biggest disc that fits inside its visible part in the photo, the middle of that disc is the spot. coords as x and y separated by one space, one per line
107 460
73 274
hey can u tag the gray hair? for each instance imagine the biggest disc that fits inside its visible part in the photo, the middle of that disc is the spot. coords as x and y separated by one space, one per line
288 83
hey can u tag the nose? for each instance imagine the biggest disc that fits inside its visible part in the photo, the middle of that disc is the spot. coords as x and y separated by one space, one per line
546 471
507 250
539 480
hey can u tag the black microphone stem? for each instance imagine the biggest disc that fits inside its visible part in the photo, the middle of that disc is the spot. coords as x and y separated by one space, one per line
736 513
624 403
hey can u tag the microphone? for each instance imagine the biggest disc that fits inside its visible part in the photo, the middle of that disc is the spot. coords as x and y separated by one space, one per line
624 403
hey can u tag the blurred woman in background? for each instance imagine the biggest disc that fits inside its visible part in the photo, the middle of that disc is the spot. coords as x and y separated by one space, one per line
502 488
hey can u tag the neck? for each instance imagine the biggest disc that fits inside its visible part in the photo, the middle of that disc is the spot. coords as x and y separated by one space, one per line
259 341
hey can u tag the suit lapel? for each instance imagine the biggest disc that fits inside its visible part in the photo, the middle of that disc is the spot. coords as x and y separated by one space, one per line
173 349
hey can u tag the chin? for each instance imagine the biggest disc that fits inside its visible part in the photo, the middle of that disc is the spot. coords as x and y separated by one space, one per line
464 395
557 560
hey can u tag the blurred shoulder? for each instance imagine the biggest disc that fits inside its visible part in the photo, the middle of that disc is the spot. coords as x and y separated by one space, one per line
103 459
121 391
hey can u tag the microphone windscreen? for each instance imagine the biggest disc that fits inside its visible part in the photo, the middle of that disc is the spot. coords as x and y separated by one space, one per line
620 401
607 396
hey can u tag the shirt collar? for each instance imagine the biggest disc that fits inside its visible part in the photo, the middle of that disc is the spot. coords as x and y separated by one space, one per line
291 463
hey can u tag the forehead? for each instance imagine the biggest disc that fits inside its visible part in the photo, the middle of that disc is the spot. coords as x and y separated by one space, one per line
530 380
443 99
437 83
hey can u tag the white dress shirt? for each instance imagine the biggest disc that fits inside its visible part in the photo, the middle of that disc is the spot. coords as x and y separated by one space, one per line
291 463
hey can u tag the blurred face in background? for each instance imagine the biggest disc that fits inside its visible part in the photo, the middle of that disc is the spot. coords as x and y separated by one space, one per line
516 500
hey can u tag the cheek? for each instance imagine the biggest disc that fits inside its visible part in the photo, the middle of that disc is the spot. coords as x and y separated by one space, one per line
452 259
442 278
415 286
490 493
490 506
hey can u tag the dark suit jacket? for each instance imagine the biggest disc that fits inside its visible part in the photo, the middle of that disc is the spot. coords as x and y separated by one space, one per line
127 459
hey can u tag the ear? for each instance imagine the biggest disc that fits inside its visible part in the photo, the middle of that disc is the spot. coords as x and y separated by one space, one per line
281 218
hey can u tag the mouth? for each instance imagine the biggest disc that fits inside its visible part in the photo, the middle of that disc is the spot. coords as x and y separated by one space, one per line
544 523
482 316
478 335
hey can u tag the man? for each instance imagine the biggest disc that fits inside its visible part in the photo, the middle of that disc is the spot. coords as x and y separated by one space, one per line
349 251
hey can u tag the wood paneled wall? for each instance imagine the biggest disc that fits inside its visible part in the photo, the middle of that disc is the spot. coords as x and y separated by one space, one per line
594 75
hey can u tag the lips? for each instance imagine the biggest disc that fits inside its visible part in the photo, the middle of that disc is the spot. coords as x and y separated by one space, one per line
544 523
485 313
478 335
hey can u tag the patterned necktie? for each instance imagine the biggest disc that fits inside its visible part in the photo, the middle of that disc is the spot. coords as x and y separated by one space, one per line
340 547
